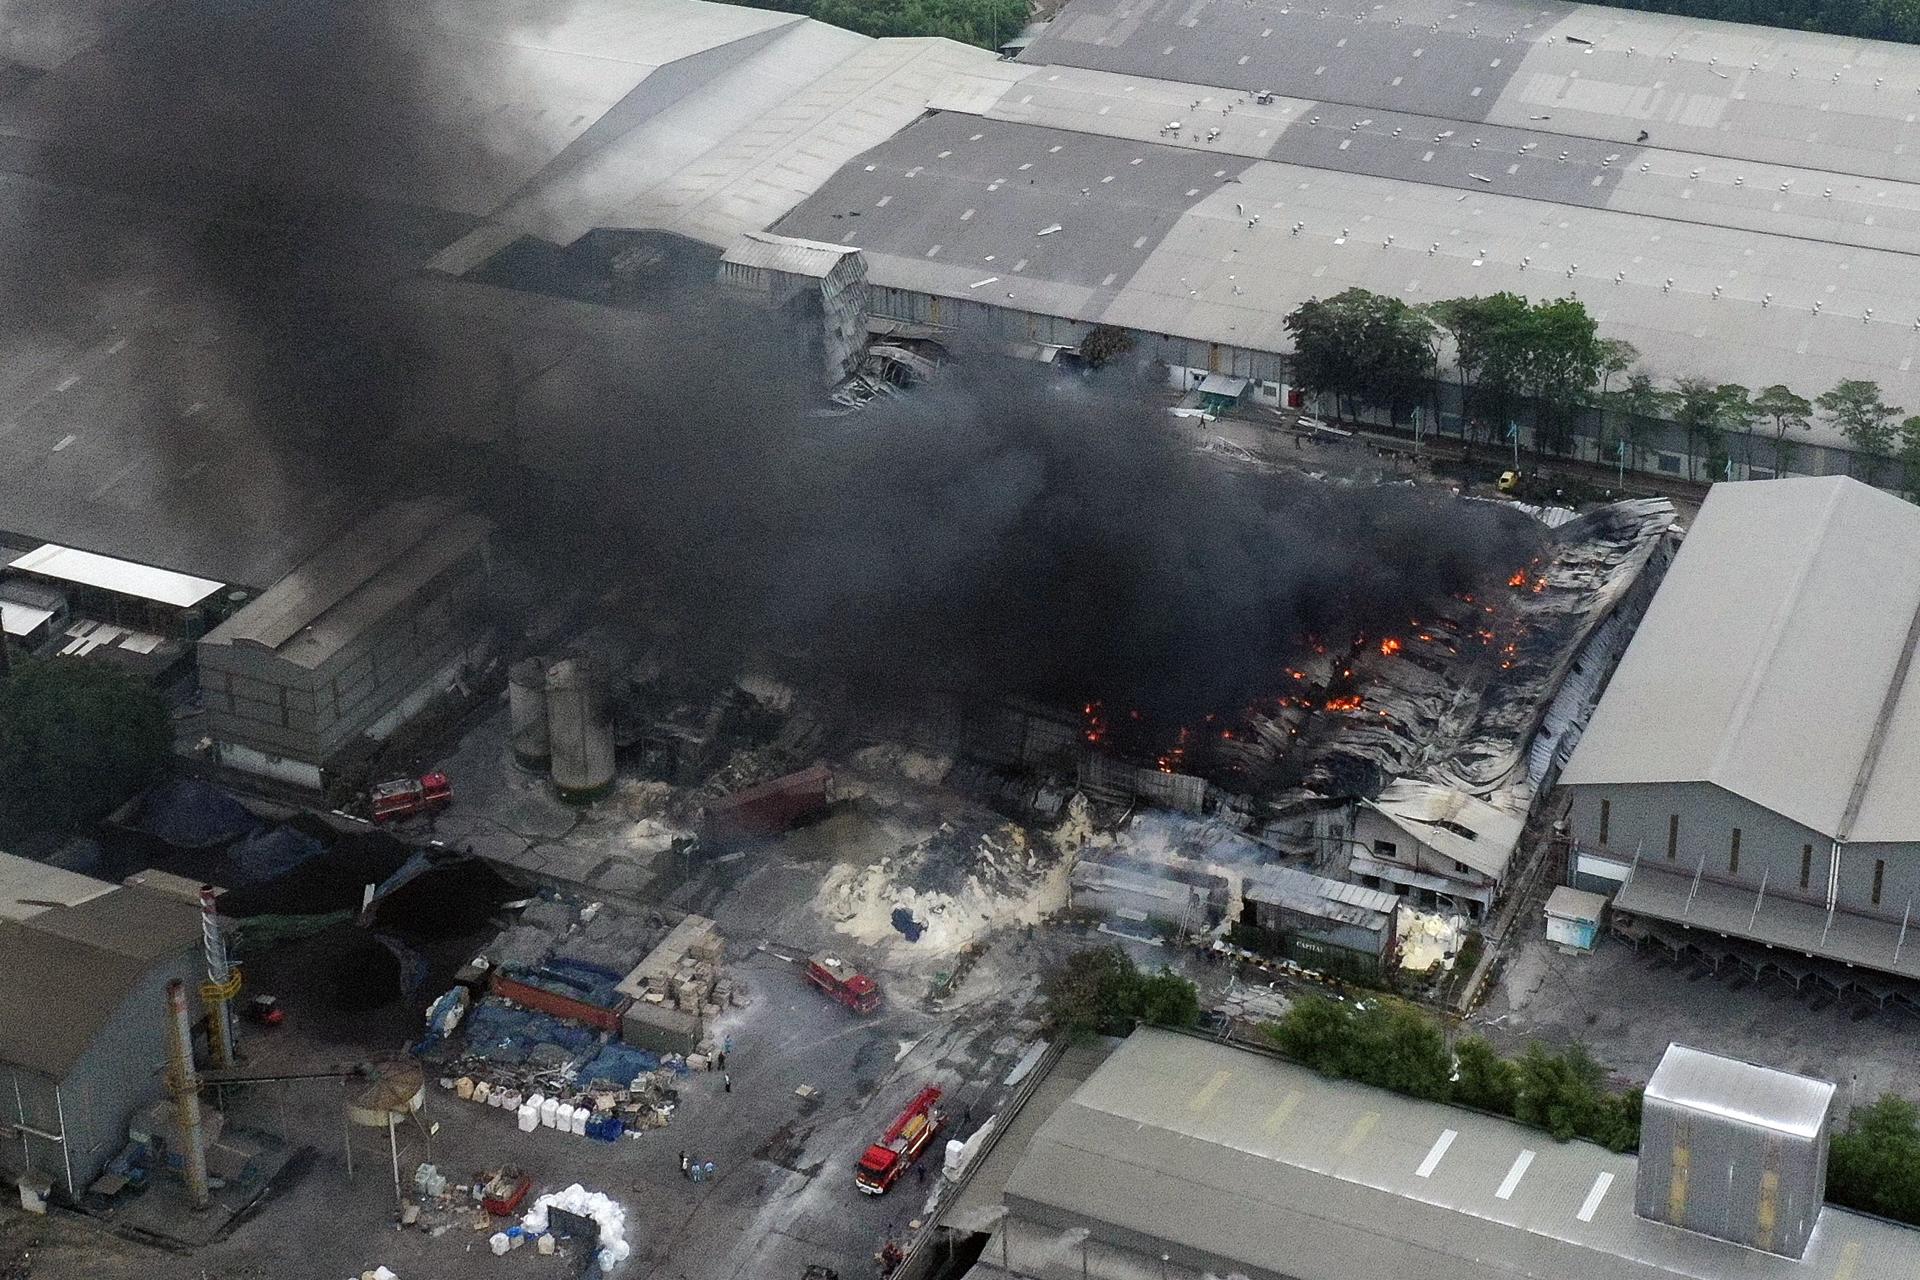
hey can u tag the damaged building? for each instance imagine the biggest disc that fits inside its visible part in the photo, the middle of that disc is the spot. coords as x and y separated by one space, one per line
1748 777
1443 848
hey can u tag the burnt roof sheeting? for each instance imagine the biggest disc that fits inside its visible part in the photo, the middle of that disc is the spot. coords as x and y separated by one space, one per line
1735 1090
69 969
1775 661
1236 1161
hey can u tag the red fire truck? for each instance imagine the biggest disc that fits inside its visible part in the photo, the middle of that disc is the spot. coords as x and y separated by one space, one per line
902 1144
407 796
851 988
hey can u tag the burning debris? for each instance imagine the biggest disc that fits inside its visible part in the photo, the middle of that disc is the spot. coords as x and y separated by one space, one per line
1453 697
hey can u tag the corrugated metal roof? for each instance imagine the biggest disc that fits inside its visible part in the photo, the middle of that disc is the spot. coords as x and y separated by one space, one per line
1765 663
1452 823
123 577
795 256
1742 1091
1318 896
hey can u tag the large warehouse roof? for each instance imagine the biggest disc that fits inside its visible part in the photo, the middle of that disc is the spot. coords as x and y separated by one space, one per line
1763 230
1244 1162
1776 661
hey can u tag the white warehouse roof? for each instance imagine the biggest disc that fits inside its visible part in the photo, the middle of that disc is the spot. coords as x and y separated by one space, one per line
1775 661
1742 1091
122 577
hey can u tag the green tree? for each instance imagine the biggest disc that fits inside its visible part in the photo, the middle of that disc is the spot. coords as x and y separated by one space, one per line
1874 1164
1488 336
77 739
1789 412
1315 1031
1402 1049
1735 418
1558 1091
1165 999
1484 1079
1697 411
1908 455
1098 991
1361 346
1103 343
1561 365
1863 418
1637 404
987 23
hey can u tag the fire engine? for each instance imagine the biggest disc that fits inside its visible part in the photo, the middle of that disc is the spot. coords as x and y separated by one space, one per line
902 1144
853 989
405 797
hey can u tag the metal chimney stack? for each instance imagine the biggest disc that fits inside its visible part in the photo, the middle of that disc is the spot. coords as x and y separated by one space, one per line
222 985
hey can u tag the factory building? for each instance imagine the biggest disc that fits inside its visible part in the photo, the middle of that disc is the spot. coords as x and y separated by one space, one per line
1749 772
1327 925
353 642
83 1014
1439 847
1181 1157
62 602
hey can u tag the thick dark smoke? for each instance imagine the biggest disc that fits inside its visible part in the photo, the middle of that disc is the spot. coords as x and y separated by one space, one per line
998 534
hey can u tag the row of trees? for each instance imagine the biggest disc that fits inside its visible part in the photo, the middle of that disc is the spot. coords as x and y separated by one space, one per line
987 23
1364 347
1873 19
1098 991
1395 1046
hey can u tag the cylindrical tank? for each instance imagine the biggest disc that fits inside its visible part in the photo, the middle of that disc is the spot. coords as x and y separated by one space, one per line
527 712
579 728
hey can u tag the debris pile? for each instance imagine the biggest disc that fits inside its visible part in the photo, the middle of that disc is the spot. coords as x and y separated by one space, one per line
951 888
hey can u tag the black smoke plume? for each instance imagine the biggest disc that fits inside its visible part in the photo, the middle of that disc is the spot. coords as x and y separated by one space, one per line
1001 533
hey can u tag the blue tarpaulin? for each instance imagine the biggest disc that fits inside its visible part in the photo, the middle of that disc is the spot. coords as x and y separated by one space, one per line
903 921
191 814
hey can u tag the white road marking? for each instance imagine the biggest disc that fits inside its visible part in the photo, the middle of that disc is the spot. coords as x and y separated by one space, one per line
1512 1180
1592 1204
64 442
1432 1161
68 383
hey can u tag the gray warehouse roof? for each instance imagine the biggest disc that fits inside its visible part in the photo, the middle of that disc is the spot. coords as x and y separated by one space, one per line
1764 229
1774 661
1236 1160
1743 1091
70 968
355 580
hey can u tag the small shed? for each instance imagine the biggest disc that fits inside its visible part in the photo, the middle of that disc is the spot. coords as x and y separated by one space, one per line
1322 924
1573 917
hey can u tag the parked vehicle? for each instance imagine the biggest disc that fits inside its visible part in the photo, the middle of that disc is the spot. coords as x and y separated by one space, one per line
909 1135
844 984
263 1010
405 797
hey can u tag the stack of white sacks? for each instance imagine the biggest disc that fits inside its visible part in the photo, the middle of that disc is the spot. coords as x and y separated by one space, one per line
611 1218
540 1112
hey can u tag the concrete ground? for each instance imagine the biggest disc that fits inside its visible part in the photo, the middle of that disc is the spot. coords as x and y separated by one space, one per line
1627 1006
